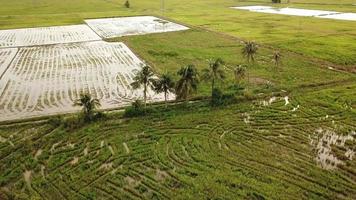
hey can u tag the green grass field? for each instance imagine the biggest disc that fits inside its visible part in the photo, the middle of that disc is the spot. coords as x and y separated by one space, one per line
193 151
330 40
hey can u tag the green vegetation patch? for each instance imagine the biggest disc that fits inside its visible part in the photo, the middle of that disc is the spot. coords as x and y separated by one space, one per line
245 150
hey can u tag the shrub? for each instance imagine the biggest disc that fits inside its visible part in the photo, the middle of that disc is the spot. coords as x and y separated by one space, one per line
276 1
163 53
248 95
127 4
237 89
56 121
216 97
99 116
240 73
219 98
135 110
72 123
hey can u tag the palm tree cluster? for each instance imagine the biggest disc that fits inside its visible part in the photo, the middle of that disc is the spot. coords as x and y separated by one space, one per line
184 87
145 78
188 81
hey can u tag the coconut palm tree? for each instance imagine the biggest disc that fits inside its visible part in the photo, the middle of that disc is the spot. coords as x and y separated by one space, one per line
188 82
214 72
277 58
164 84
239 73
249 51
89 105
145 78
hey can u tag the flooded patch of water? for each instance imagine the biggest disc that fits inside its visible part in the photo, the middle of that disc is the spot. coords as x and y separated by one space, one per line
274 99
300 12
125 26
269 102
340 16
295 108
286 100
324 140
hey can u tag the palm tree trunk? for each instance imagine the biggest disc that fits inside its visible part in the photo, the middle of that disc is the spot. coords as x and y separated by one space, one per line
145 95
212 87
248 76
165 98
162 7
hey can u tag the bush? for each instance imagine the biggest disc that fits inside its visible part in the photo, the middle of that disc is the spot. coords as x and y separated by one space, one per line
72 123
219 98
216 97
56 121
276 1
135 110
127 4
99 116
238 89
248 95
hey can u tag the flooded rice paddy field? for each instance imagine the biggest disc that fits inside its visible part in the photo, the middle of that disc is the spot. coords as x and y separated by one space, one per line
6 56
47 80
46 35
124 26
52 66
300 12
